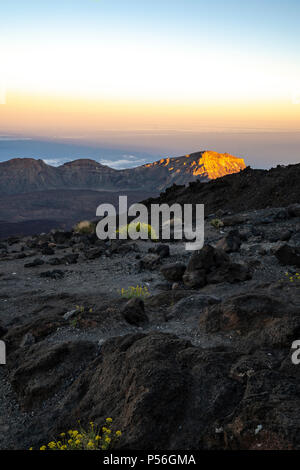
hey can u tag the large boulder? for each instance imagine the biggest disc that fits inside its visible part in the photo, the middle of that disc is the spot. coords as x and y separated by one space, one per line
207 258
60 237
265 419
258 319
159 389
241 312
195 279
294 210
192 305
134 312
231 242
288 255
40 327
38 372
212 265
162 392
150 261
231 272
165 393
173 272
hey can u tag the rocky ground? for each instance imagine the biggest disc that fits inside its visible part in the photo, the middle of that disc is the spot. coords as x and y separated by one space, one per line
203 363
248 190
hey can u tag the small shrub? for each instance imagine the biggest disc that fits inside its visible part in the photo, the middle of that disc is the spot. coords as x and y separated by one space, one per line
217 223
137 291
80 308
140 228
80 311
293 277
95 438
85 227
74 322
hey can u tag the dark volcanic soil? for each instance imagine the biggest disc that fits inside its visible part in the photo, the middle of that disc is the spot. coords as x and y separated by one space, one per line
205 363
248 190
42 211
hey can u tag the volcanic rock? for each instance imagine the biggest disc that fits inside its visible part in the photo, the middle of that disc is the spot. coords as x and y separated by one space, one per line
38 371
294 210
213 265
288 255
162 250
55 274
3 331
61 237
173 271
231 242
134 312
193 305
70 259
150 261
34 263
242 312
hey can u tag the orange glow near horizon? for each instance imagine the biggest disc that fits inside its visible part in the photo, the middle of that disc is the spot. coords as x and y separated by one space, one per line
49 116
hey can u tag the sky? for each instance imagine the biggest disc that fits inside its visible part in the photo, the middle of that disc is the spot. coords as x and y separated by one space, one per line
151 77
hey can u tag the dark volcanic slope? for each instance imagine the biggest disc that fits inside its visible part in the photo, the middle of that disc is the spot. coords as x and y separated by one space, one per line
26 175
41 211
247 190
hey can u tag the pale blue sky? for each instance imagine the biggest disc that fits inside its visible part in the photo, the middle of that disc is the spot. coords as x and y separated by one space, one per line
257 34
271 24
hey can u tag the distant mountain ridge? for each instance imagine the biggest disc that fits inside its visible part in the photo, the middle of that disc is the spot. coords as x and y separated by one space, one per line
24 175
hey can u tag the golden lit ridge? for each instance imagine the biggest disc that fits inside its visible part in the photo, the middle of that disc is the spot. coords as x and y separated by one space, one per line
216 165
207 165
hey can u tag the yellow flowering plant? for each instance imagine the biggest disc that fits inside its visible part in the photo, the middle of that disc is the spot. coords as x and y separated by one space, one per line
94 438
137 291
217 223
293 277
144 229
